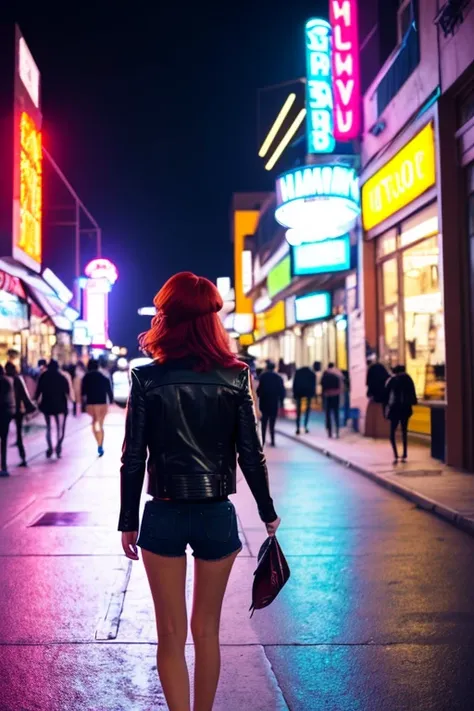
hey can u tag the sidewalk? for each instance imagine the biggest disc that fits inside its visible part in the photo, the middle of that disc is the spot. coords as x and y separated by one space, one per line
429 483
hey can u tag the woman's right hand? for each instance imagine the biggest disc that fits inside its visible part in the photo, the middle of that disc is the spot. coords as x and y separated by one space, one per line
273 526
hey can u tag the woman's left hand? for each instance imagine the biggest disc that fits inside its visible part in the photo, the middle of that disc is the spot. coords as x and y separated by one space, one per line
129 544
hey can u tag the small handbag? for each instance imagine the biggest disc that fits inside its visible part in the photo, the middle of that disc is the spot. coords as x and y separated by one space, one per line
271 574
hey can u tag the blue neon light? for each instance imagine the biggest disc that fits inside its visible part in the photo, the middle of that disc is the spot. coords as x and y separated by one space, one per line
319 98
313 306
332 255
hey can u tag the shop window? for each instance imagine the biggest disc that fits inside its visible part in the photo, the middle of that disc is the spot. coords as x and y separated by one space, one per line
424 319
387 244
390 281
411 308
422 225
391 336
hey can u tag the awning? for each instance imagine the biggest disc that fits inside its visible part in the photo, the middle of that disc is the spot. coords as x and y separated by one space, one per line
62 315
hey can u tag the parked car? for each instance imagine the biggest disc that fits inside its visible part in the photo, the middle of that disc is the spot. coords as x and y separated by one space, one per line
121 379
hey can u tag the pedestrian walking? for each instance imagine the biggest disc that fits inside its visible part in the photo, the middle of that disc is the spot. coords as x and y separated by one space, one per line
42 367
400 396
271 395
52 394
189 413
23 406
304 390
65 372
97 395
79 373
7 412
332 386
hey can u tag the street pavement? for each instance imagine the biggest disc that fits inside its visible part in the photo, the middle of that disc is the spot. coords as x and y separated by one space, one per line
378 614
428 482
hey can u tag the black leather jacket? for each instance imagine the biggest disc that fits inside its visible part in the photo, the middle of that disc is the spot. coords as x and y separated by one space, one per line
191 425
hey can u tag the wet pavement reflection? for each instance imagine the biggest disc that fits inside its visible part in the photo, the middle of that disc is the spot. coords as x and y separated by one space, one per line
378 614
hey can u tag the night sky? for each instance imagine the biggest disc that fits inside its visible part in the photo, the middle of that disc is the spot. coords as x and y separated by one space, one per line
152 116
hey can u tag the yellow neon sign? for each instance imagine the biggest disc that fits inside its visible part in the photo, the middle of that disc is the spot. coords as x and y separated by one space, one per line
404 178
271 321
277 125
286 139
31 189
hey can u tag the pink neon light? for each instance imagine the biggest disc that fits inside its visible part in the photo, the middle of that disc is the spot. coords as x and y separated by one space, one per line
345 69
102 269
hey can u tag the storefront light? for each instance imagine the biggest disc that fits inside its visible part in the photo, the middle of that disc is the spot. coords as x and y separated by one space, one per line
313 306
332 255
262 303
318 201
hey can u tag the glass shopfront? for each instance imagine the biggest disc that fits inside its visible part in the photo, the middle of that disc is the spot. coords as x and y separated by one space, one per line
411 316
13 322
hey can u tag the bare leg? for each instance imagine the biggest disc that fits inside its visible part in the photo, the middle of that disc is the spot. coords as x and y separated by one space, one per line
95 429
167 578
100 427
210 582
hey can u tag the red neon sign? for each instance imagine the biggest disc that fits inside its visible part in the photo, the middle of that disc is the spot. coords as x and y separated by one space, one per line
345 69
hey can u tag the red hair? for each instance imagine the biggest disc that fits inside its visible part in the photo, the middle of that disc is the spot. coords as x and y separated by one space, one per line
187 324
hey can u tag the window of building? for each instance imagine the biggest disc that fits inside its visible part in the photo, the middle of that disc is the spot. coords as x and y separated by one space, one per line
404 18
411 304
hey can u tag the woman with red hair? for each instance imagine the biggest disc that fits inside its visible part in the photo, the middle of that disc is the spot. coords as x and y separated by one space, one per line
190 413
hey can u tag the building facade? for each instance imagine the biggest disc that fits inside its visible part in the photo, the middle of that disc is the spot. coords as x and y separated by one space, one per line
416 153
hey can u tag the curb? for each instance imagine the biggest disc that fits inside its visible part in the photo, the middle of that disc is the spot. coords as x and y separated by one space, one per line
423 502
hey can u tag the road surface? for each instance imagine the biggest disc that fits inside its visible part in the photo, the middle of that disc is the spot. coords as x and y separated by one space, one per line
378 614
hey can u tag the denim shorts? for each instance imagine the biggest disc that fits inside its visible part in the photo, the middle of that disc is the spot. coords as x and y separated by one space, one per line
209 528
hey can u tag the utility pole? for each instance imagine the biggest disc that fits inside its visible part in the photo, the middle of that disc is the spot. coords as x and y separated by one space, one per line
79 208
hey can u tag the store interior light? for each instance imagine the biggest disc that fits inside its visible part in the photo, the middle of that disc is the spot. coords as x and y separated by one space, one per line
427 228
286 139
277 125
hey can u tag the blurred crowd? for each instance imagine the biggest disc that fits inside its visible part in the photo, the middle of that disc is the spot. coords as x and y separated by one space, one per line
54 391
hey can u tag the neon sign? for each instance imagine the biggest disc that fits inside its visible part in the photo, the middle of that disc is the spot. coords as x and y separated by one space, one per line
317 202
345 69
102 269
313 306
96 312
332 255
319 98
27 237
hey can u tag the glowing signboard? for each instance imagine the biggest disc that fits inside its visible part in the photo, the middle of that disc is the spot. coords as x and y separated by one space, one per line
319 98
332 255
317 202
405 177
102 269
55 282
313 306
345 69
27 224
280 277
96 312
29 72
271 321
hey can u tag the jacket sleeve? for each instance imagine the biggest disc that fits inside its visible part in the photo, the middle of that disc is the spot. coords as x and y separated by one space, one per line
24 396
134 453
39 388
250 452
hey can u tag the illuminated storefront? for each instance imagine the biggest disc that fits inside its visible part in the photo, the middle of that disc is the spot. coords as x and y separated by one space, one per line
408 268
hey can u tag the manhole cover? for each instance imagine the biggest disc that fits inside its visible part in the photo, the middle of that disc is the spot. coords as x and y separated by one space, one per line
419 472
66 518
